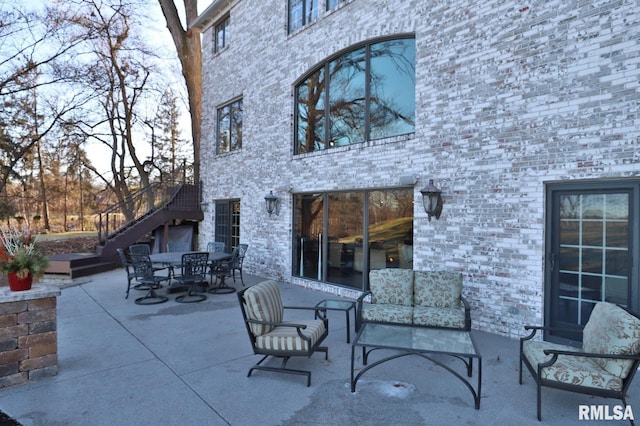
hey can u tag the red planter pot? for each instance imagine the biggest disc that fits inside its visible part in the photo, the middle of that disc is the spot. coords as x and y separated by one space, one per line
19 284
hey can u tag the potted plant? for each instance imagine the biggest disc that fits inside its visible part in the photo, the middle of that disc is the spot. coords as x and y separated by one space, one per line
20 258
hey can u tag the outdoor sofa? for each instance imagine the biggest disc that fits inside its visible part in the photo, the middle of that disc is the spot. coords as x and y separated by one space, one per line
418 298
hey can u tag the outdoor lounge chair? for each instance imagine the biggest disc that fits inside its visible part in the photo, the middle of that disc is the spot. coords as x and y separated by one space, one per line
270 336
604 366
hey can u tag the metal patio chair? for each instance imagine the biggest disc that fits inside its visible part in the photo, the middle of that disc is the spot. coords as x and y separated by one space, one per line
271 336
193 272
145 274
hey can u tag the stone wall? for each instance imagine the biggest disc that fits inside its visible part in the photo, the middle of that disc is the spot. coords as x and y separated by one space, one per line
28 334
510 96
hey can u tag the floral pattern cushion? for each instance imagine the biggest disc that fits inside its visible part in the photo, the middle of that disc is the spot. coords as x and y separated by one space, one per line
439 317
612 330
573 370
387 313
287 338
437 289
264 304
392 285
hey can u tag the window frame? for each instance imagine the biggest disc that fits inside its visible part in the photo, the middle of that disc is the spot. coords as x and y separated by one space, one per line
324 70
230 147
307 16
221 26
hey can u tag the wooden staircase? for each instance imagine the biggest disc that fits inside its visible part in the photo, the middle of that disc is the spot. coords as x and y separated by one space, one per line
183 205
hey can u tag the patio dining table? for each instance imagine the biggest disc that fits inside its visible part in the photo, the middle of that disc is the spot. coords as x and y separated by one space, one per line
173 259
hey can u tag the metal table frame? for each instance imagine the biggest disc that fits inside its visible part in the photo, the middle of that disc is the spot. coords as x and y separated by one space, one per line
419 341
340 305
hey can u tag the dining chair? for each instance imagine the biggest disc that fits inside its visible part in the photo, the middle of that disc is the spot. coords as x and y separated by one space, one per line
142 249
216 246
194 270
145 274
127 266
237 258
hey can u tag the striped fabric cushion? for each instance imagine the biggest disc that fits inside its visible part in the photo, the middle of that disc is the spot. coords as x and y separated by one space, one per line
264 304
287 338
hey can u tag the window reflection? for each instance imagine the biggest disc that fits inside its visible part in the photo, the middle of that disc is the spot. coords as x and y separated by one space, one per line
358 111
343 250
230 127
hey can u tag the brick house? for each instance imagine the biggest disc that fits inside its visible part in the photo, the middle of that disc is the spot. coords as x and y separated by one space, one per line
525 115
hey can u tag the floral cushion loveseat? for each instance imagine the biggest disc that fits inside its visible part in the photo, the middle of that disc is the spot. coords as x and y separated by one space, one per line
420 298
604 366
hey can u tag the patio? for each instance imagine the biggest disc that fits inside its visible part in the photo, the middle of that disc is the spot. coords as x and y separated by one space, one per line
121 363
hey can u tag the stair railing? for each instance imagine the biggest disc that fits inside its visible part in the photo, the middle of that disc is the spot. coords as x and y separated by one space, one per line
113 220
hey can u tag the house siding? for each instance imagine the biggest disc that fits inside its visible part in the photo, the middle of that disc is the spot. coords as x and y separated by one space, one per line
509 96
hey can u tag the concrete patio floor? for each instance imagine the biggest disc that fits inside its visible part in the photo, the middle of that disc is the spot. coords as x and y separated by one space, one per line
186 364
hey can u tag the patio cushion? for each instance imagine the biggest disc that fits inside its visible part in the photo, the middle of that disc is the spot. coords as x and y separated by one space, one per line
391 286
287 338
612 330
387 313
264 304
573 370
439 317
438 289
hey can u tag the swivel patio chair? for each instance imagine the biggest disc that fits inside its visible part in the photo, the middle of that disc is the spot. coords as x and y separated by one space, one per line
194 270
604 366
216 246
237 258
145 275
271 336
142 249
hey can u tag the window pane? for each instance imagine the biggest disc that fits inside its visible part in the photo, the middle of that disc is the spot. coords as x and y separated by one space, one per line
236 125
308 230
347 98
311 11
392 88
391 229
296 15
310 113
224 129
345 256
333 3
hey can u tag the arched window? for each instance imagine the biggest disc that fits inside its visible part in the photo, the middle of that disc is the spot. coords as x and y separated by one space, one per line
365 94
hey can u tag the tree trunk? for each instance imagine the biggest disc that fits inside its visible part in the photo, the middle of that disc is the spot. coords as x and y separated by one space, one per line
189 50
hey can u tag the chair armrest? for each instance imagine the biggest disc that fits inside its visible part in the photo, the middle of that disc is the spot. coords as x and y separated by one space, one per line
535 328
359 303
467 313
298 327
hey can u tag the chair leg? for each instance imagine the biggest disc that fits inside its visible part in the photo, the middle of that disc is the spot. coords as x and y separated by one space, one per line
539 397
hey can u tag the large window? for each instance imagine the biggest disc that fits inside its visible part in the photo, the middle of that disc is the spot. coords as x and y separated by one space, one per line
230 127
365 94
221 35
301 13
340 236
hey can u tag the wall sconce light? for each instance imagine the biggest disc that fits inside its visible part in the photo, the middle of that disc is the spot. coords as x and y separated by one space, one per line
432 200
204 207
271 202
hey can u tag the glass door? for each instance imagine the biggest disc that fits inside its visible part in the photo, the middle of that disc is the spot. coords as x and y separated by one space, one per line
589 254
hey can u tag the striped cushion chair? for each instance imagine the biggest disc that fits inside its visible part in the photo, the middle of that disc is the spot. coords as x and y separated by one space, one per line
271 336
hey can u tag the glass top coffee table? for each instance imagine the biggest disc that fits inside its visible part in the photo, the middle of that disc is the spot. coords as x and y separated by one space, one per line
407 340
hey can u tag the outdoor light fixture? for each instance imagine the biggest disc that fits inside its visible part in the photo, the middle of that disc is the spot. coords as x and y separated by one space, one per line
271 202
432 200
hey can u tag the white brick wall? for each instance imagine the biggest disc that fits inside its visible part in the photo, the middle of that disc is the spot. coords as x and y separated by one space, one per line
509 96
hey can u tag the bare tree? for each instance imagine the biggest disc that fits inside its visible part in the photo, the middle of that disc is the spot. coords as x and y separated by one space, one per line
187 42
